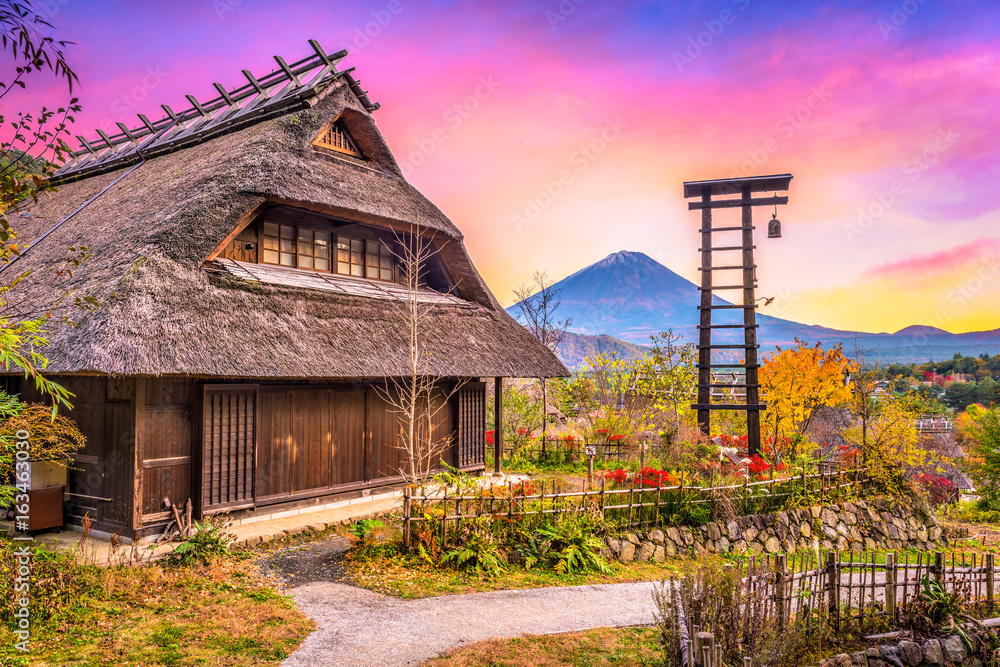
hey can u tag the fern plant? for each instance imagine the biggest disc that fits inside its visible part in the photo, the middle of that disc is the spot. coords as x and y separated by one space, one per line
568 547
478 551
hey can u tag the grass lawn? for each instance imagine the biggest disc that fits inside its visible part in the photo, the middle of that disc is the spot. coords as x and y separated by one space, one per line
624 647
406 576
219 614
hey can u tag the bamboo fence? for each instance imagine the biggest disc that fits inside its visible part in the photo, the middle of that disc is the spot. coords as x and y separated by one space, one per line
850 592
633 507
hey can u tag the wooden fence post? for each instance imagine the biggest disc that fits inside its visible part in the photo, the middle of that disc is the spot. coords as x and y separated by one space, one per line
406 517
988 569
939 567
890 586
603 516
444 520
704 648
833 588
779 589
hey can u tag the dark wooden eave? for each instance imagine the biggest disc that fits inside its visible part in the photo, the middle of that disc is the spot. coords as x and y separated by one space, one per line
734 186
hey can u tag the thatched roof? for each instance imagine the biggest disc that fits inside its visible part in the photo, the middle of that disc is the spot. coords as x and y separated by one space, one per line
164 311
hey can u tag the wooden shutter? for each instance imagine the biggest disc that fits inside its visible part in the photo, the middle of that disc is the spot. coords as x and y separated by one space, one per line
228 447
472 425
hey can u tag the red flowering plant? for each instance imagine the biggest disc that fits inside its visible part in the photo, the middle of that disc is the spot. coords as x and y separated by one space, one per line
939 489
489 437
848 455
758 466
524 488
651 477
618 478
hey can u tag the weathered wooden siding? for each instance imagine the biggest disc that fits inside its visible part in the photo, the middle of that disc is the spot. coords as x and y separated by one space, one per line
164 442
102 483
311 439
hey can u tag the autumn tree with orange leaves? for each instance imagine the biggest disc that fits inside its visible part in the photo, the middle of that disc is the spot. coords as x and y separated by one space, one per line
795 383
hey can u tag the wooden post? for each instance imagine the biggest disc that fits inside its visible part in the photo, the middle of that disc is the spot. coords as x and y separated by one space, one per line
988 571
705 317
602 498
890 586
780 568
704 647
590 470
833 588
750 330
631 493
497 425
939 567
444 520
406 517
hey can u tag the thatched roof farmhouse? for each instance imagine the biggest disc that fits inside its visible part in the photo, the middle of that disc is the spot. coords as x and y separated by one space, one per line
245 252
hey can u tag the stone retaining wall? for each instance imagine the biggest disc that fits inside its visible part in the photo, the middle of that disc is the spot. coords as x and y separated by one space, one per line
875 524
948 651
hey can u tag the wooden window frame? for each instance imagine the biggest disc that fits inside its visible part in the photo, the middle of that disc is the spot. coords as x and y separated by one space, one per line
384 248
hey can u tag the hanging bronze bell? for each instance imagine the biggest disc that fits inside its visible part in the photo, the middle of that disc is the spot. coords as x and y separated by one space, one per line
774 227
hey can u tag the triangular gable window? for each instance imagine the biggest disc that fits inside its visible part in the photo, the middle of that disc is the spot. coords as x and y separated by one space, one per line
335 137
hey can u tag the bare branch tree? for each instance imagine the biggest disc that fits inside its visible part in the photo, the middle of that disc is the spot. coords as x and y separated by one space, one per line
419 397
538 303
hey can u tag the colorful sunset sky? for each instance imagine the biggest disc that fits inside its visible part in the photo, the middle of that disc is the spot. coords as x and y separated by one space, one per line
555 133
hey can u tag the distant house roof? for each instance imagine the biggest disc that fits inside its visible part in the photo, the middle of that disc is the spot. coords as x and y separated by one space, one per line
170 307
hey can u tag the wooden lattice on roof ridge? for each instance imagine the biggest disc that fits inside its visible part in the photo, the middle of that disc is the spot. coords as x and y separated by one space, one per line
260 98
336 138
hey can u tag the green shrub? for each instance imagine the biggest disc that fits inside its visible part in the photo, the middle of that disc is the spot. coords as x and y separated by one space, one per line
362 528
209 540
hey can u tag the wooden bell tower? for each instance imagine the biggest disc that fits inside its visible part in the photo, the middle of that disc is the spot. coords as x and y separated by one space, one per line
735 272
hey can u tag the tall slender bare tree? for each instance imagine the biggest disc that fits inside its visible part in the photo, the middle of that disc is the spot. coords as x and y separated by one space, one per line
538 303
419 396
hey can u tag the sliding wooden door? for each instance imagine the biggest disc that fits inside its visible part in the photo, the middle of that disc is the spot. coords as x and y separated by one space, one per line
229 418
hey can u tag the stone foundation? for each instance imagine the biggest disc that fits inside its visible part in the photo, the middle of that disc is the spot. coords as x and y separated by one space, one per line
862 526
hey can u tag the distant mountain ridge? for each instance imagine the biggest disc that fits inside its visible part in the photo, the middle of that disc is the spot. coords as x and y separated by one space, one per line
630 296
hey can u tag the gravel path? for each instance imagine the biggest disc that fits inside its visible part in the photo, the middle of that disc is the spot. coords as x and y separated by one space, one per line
359 627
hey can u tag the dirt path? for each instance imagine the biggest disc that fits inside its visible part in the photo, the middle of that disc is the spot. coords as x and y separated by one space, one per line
359 627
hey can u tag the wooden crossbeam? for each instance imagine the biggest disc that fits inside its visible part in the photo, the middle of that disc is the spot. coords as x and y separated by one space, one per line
737 203
725 229
126 131
223 94
729 406
287 70
725 326
148 123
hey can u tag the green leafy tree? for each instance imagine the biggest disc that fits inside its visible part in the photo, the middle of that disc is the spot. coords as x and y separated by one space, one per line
33 150
673 374
979 430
